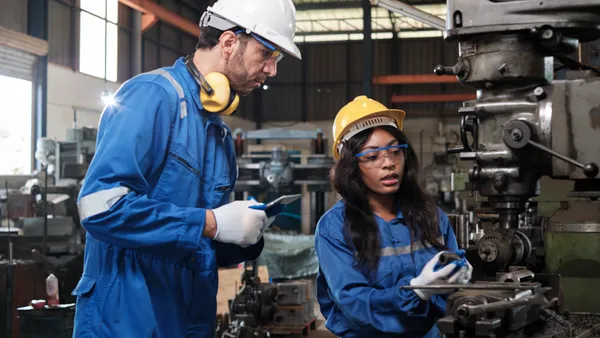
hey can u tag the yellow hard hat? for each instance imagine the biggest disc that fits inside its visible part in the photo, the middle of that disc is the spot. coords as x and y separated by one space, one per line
360 114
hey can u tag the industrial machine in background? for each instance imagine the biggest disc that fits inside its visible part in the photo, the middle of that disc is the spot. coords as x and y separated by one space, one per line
524 124
438 174
282 172
284 306
42 232
261 310
44 209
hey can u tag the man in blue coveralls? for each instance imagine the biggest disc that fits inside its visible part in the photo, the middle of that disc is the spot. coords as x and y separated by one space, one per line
154 202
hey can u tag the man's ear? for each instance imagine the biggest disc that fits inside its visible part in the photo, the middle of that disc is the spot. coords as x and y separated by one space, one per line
227 42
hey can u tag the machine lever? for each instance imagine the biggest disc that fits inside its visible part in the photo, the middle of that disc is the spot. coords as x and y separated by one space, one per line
517 134
468 124
590 170
461 69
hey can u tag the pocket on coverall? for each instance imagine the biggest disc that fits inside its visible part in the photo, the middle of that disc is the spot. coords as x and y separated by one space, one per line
85 302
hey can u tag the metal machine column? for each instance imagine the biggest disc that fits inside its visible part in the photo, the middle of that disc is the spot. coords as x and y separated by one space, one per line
37 26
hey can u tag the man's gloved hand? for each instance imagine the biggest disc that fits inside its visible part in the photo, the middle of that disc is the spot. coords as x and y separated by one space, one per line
271 213
237 223
429 276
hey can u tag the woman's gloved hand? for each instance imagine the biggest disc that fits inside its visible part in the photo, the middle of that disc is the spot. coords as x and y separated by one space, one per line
466 271
445 275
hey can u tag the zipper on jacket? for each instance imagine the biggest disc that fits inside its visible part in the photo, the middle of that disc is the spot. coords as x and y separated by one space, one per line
187 165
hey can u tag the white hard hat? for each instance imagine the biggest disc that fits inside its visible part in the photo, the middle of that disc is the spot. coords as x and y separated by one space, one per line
274 20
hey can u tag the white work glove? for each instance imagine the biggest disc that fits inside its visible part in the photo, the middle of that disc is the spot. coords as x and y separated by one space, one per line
237 223
466 274
442 276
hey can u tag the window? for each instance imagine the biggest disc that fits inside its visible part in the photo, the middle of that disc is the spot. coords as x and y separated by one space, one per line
318 25
15 126
99 38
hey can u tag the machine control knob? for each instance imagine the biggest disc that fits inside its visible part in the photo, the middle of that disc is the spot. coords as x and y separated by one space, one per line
461 69
517 134
590 170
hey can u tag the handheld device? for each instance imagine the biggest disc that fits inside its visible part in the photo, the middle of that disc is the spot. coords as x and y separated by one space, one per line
285 199
277 205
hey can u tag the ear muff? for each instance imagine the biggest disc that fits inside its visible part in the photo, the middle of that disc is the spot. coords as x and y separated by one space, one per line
222 100
216 95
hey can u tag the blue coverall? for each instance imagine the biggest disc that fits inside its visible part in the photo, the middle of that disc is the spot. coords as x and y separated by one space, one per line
357 303
160 161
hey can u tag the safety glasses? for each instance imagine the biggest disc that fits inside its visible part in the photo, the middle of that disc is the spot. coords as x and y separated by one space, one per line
374 158
275 53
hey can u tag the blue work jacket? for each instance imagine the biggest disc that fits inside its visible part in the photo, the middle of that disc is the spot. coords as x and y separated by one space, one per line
357 303
161 160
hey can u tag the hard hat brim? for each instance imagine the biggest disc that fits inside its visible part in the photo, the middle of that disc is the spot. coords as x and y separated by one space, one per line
396 114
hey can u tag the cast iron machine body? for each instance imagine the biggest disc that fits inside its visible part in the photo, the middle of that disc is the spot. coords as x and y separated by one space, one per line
251 310
523 124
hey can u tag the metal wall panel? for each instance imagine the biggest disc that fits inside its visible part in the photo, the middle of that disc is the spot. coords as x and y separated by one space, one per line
150 56
355 54
289 71
124 16
13 15
16 63
188 44
168 57
327 63
152 32
189 14
170 5
325 100
168 42
124 62
169 37
282 103
334 73
60 34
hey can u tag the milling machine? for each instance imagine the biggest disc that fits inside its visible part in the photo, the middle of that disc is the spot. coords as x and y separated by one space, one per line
524 124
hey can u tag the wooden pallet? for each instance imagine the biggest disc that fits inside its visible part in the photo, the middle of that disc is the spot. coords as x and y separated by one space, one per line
295 331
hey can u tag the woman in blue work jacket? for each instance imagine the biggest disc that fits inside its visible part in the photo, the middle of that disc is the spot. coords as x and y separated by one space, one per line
384 233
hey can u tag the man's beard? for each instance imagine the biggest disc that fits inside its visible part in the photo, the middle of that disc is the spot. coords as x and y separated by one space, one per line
237 75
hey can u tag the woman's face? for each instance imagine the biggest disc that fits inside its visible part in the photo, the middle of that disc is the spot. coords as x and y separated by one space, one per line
382 170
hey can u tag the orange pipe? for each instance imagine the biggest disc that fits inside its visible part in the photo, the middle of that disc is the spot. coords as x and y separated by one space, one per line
432 98
162 14
413 79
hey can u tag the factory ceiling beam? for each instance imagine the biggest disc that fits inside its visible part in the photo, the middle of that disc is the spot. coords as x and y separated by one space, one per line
307 6
426 98
153 12
412 12
413 79
348 32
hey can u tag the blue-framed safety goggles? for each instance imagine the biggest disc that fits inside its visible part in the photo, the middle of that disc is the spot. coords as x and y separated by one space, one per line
275 54
397 146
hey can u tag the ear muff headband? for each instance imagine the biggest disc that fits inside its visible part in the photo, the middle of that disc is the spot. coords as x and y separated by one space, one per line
218 98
